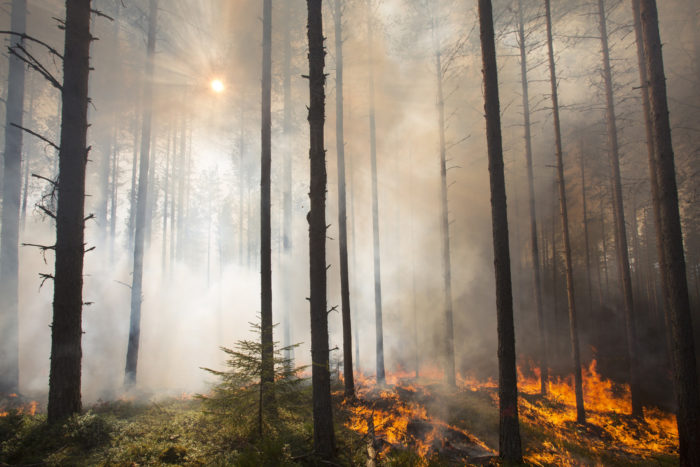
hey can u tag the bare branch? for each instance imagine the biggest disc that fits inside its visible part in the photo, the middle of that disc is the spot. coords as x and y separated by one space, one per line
47 141
51 50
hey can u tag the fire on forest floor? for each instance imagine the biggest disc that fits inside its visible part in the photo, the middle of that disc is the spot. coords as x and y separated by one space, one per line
424 416
14 402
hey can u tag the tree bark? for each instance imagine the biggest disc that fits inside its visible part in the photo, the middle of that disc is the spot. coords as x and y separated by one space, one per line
509 432
287 233
379 328
66 329
619 216
534 247
268 371
573 328
11 186
342 206
324 438
444 216
132 351
671 244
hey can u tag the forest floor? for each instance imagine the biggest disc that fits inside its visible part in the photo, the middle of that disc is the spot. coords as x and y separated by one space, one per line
410 423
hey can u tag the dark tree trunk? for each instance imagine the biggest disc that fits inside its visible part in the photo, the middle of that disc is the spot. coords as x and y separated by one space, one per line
509 447
354 261
134 175
619 215
27 159
381 377
534 247
586 239
671 245
573 329
66 329
342 208
268 371
11 186
132 351
324 438
444 217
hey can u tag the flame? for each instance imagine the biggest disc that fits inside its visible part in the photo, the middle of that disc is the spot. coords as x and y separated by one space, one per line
393 411
29 408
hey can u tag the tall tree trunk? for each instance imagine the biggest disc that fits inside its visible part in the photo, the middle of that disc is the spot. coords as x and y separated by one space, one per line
534 247
354 261
134 174
604 237
619 215
324 438
671 240
268 370
66 329
181 173
381 377
586 240
444 213
27 159
573 329
509 446
132 351
11 186
342 208
166 188
287 182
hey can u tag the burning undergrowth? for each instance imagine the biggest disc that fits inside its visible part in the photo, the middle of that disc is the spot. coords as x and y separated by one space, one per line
460 426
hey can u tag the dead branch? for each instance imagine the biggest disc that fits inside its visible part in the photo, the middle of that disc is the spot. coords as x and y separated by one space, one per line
44 278
101 14
33 133
35 64
41 177
24 36
46 211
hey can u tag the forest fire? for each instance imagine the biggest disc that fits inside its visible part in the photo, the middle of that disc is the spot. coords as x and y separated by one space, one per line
397 416
393 418
13 403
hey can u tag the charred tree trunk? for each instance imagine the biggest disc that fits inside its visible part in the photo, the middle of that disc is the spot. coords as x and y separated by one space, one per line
573 328
324 437
342 206
381 377
586 239
620 228
534 247
132 351
671 245
444 217
268 370
66 329
509 446
134 174
11 186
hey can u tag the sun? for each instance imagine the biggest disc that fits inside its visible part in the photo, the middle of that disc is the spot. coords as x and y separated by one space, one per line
217 85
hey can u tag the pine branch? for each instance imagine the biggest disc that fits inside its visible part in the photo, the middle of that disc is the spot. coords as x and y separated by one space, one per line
46 140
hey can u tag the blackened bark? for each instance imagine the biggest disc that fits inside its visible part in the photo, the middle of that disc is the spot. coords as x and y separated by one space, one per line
379 327
573 328
619 216
324 437
509 446
132 351
444 216
675 283
267 371
534 247
342 206
66 329
11 186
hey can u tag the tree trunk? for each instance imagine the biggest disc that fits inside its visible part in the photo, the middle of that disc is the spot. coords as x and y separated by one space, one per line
66 330
324 438
444 216
671 244
287 183
11 186
620 228
134 174
573 329
381 377
534 247
27 159
132 351
166 195
509 432
268 370
586 240
342 208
